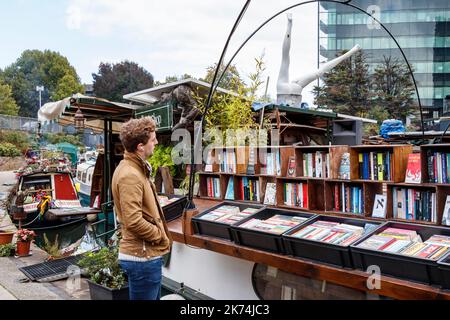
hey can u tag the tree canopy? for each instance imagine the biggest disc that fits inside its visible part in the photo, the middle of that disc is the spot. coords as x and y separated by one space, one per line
231 80
346 87
113 81
40 68
8 105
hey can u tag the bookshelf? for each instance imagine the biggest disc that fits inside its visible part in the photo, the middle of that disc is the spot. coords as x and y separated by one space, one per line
321 191
397 162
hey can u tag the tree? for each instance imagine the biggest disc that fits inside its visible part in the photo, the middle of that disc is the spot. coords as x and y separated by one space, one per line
113 81
231 80
393 88
170 79
8 105
67 86
38 68
346 87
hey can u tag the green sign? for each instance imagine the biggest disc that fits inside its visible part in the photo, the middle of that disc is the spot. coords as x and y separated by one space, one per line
161 113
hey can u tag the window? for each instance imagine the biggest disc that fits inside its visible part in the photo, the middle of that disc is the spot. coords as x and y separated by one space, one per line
83 177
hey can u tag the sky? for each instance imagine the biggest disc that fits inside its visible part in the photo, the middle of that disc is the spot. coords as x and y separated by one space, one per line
170 37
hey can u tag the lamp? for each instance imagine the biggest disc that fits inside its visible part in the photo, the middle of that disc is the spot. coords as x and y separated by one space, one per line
79 120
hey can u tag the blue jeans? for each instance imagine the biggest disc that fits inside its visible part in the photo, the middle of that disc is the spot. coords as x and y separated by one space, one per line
144 278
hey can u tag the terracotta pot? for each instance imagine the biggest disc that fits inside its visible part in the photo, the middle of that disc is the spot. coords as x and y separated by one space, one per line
6 237
23 248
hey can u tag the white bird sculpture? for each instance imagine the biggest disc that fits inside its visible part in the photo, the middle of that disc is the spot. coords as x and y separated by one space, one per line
290 93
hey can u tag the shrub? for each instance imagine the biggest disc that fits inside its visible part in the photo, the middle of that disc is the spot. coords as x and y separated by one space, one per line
18 139
9 150
103 268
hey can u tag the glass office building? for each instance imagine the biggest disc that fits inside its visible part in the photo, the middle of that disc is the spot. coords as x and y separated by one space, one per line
421 27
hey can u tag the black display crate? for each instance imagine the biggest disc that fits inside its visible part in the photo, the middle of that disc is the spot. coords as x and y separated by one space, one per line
175 209
444 267
265 240
397 265
219 229
323 252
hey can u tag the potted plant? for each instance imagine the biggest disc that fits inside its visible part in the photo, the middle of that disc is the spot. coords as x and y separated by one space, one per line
106 280
24 239
6 237
7 250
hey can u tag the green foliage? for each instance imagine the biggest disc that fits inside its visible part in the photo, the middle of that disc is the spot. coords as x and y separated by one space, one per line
113 81
103 268
60 137
393 88
9 150
184 185
8 105
52 248
346 87
234 111
162 157
19 139
67 86
43 68
6 250
170 79
231 80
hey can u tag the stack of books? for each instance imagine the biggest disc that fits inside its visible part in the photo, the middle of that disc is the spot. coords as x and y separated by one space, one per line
316 165
249 189
412 204
228 214
227 161
348 199
438 166
277 224
375 166
409 243
296 194
213 187
272 165
331 232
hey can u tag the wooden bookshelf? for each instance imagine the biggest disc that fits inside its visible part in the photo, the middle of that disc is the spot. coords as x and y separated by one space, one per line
335 153
398 161
425 152
203 176
320 190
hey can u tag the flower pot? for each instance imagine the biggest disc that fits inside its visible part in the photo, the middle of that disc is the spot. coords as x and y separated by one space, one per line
23 248
99 292
6 237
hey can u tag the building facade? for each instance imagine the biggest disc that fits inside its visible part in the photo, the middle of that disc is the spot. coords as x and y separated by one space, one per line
421 27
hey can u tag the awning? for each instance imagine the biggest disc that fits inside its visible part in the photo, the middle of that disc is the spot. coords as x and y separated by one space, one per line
152 95
94 109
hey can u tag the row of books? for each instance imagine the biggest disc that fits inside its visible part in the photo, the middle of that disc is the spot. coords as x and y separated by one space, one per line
272 165
276 224
249 189
316 165
347 198
375 166
412 204
213 187
438 165
228 214
333 232
407 242
227 161
295 194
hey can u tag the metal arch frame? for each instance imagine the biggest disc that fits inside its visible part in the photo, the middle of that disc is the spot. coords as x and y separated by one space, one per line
215 83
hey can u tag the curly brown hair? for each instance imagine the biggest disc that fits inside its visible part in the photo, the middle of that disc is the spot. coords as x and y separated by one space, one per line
136 131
